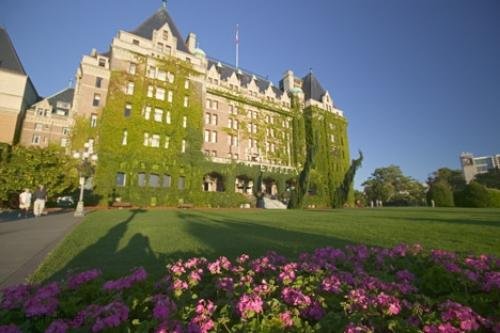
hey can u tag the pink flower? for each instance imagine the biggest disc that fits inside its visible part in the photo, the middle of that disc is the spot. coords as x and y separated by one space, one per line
286 319
354 328
331 284
195 276
137 275
248 305
57 326
295 297
226 284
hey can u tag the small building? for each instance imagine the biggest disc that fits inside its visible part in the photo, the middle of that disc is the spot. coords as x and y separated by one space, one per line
49 121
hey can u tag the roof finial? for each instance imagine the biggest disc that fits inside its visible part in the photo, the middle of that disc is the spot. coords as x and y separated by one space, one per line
164 2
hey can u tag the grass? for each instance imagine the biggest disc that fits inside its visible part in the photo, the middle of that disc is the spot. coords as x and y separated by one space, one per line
119 240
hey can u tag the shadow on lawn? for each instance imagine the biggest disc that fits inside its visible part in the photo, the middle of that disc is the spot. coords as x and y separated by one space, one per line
104 253
232 237
222 235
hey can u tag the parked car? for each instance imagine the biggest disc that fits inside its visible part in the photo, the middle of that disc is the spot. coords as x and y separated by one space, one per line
65 201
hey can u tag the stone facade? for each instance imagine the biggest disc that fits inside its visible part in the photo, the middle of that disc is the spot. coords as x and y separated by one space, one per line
17 92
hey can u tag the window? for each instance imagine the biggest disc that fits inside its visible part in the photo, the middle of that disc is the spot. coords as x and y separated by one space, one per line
124 137
207 136
98 82
232 109
102 62
158 115
186 84
130 88
162 75
135 42
65 131
132 68
184 121
207 118
150 91
64 142
167 141
97 100
128 110
170 96
141 179
147 112
332 138
146 139
155 141
121 179
160 47
160 94
181 183
171 77
152 72
167 181
233 140
186 101
36 139
38 127
93 120
214 119
154 180
164 35
168 118
213 136
183 147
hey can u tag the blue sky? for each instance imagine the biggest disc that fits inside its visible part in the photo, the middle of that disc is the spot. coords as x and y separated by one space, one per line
418 80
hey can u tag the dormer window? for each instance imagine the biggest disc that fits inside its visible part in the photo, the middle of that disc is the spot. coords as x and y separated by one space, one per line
164 35
135 41
102 62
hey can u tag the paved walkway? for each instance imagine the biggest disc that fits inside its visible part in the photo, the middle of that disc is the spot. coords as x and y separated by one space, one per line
24 243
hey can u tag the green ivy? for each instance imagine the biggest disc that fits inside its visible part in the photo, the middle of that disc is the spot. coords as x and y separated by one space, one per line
330 162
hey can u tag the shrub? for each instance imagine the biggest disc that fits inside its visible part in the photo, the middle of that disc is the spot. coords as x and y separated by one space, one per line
441 193
474 195
494 198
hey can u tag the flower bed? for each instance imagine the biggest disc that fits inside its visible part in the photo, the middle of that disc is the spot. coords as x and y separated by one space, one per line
357 289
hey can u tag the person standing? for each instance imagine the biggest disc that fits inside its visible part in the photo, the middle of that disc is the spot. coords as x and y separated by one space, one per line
40 198
24 202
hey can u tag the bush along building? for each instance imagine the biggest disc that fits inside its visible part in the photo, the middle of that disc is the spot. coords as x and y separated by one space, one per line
171 125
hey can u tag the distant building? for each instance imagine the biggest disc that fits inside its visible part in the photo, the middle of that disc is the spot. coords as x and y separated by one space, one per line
471 166
17 92
49 121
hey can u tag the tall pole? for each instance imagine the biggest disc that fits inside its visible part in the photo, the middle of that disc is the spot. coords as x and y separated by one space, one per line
79 212
237 40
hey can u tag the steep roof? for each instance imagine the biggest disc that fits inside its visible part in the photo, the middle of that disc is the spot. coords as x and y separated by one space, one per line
65 96
155 22
312 88
8 55
245 77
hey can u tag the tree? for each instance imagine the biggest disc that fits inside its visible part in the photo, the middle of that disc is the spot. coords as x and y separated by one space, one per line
489 179
454 178
29 167
344 189
441 193
392 187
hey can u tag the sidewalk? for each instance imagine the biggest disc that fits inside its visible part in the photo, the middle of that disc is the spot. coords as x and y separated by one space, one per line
24 243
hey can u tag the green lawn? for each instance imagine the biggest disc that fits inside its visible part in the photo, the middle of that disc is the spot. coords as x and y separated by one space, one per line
116 241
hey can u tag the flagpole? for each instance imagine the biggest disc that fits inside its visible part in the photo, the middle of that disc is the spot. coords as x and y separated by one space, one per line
237 45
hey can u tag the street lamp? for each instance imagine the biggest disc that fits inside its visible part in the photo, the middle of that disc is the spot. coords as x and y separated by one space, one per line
84 170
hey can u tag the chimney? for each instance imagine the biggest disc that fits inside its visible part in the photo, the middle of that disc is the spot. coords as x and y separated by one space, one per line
191 42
